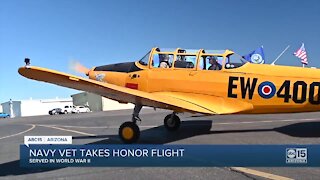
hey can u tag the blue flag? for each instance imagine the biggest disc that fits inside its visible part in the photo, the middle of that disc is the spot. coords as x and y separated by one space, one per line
256 56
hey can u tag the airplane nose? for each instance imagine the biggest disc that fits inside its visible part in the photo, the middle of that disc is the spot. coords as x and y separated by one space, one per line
90 71
97 75
113 73
91 74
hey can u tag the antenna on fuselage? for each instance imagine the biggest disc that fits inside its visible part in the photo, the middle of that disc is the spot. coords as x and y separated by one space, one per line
273 63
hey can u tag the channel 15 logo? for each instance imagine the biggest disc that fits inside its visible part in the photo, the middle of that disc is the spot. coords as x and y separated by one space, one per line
296 155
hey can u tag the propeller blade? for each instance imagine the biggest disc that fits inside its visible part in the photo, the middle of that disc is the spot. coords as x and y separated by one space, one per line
79 68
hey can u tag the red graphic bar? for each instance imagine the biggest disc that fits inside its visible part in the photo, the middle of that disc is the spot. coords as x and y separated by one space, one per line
132 86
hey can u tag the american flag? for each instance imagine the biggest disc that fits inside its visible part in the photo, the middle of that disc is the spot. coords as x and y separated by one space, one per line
301 53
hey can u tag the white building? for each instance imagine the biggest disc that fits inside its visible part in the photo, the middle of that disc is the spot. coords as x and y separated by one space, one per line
33 107
98 103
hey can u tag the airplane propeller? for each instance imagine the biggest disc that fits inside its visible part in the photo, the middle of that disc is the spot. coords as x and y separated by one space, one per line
79 68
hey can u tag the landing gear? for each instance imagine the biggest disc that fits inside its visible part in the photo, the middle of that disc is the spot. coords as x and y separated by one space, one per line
172 122
129 131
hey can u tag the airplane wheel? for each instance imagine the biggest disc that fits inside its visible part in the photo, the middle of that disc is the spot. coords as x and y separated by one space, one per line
129 132
173 123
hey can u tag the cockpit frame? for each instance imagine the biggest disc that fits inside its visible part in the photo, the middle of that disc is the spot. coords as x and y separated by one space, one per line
184 52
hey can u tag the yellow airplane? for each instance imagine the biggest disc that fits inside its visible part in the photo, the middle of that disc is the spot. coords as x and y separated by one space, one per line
197 81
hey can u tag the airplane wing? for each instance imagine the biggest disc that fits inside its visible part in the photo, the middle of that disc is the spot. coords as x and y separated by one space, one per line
216 104
179 102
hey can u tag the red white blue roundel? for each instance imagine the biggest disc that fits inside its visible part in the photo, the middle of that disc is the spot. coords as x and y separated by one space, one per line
267 89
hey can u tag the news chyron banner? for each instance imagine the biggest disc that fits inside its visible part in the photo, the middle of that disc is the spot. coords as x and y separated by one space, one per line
58 151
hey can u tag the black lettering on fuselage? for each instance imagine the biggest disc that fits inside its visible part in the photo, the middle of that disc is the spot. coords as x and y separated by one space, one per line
231 86
247 87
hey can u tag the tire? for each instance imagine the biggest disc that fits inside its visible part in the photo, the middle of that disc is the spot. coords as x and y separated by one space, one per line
129 132
172 124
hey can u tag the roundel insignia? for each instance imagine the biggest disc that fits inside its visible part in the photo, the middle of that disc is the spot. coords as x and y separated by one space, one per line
257 59
267 89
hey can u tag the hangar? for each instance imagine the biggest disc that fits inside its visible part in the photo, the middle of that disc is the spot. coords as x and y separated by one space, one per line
98 103
32 107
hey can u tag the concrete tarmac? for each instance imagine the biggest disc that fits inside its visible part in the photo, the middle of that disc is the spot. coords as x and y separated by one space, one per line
102 128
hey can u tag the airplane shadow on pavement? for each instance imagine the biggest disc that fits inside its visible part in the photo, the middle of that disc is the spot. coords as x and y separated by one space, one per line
158 135
302 130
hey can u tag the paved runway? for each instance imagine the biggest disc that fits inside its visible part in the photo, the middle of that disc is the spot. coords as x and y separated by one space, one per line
102 127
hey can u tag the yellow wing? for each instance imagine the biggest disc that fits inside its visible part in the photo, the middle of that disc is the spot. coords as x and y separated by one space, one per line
179 102
218 105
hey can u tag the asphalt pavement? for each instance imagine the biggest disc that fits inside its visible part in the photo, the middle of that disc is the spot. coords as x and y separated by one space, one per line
102 128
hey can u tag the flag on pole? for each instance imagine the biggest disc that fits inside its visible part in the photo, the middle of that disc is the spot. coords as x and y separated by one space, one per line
256 56
301 53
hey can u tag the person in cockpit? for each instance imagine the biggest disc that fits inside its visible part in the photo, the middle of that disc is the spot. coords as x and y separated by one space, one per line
214 65
164 62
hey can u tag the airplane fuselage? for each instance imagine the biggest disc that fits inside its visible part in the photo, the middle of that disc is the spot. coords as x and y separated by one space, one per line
270 88
207 82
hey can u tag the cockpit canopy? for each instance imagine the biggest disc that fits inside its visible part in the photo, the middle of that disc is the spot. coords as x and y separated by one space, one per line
192 59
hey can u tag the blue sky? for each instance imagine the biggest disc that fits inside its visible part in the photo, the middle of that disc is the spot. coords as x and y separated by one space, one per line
98 32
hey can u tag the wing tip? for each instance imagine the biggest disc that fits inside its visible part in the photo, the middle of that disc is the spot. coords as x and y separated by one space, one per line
21 70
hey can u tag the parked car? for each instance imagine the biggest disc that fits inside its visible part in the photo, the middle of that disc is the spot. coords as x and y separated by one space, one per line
81 109
55 111
67 109
4 115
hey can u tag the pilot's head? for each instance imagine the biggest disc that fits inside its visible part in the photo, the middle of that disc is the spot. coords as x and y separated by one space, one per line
212 60
165 57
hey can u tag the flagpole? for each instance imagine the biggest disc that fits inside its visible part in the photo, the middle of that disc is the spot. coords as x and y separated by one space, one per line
273 63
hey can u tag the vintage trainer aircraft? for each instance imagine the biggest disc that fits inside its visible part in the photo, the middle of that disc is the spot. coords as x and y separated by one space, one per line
197 81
